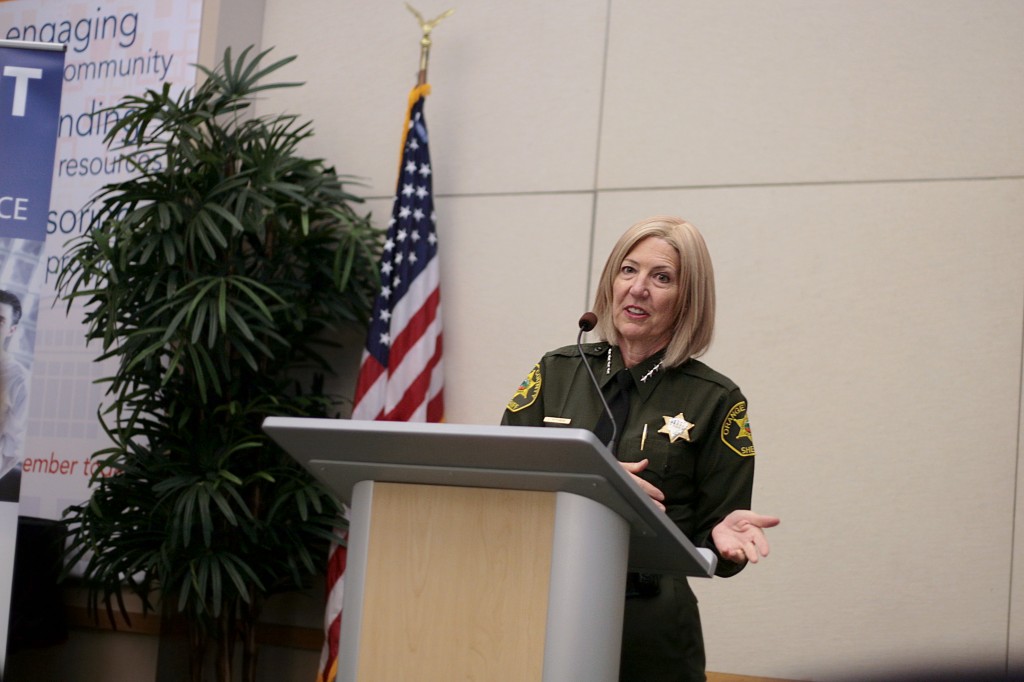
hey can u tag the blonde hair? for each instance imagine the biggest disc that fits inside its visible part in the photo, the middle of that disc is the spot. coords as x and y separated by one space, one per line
695 308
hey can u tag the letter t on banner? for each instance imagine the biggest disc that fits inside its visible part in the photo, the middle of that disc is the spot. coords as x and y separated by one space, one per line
31 76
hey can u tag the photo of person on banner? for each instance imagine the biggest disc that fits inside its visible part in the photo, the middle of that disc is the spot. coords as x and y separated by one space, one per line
13 400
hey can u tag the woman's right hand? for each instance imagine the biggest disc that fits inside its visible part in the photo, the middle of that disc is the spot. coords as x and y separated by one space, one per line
634 468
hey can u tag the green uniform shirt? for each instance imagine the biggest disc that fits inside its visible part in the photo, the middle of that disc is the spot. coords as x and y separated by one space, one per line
690 422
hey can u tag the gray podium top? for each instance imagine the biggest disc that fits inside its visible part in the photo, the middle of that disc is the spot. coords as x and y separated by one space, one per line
343 452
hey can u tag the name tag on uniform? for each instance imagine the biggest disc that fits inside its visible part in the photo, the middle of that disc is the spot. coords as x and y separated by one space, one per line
557 420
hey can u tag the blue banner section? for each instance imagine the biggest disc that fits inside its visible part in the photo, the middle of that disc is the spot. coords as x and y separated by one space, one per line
31 76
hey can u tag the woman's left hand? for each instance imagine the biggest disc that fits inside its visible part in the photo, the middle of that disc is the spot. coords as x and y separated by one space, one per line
739 536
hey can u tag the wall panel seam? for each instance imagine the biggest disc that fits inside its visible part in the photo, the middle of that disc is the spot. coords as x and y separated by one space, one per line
1016 492
673 188
597 156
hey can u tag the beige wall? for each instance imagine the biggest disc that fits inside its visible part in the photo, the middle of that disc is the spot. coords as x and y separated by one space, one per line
858 171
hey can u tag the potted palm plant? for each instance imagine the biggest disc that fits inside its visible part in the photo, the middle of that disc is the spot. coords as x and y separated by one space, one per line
211 279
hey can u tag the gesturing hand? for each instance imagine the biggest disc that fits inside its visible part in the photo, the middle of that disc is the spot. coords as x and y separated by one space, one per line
739 536
634 468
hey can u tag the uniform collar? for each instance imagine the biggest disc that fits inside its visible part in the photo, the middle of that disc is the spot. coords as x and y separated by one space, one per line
646 375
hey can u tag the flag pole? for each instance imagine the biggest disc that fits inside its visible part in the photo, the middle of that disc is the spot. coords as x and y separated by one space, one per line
404 338
426 27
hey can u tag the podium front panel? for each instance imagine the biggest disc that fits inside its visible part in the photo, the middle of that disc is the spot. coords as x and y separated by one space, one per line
472 583
456 584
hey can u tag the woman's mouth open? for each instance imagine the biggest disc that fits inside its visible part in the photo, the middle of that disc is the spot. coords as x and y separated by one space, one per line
634 311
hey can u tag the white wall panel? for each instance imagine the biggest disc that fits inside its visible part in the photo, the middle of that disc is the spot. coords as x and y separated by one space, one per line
516 89
734 92
229 23
513 286
875 330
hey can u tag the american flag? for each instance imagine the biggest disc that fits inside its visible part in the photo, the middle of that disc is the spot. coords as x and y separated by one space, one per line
401 377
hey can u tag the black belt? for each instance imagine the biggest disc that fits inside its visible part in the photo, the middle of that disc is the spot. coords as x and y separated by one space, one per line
643 585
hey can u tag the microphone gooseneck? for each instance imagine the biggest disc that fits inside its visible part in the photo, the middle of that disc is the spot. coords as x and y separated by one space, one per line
587 322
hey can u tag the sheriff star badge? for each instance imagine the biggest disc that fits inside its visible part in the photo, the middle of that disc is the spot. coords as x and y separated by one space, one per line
676 427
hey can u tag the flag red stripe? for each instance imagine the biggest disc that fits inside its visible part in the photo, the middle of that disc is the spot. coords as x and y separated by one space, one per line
336 562
416 394
369 372
418 324
435 408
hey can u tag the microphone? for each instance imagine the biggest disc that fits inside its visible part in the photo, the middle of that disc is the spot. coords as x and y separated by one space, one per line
587 322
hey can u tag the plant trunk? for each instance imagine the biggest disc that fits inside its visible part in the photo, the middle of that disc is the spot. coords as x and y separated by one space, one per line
225 643
250 649
249 654
196 650
249 613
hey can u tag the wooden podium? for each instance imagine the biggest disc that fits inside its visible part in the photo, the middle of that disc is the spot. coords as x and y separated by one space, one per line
484 553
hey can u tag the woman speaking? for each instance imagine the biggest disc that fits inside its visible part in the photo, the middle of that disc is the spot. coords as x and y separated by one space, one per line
680 428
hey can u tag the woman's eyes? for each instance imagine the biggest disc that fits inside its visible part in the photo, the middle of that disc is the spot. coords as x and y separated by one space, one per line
659 278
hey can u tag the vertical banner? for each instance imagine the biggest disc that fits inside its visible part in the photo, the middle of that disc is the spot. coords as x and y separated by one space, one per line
110 50
31 76
113 50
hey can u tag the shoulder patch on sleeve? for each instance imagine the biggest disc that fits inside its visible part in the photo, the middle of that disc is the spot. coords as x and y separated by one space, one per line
736 431
527 392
